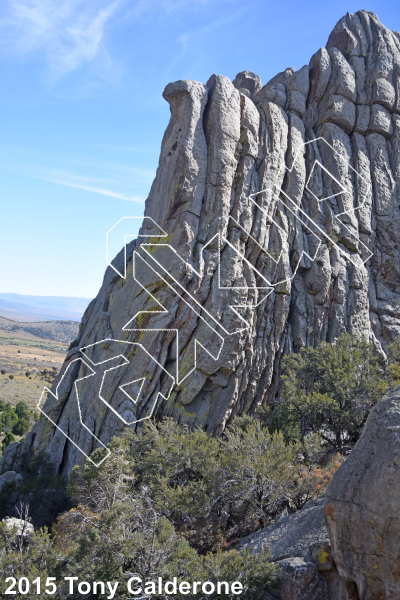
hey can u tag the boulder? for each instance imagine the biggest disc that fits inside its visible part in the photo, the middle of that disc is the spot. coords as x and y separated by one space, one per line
248 81
300 545
23 531
22 527
362 506
292 535
300 580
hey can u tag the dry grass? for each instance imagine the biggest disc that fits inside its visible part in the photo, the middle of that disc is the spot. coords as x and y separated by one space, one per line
26 353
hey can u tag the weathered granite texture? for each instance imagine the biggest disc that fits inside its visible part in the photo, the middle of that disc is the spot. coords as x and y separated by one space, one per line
294 258
300 544
299 580
294 535
362 506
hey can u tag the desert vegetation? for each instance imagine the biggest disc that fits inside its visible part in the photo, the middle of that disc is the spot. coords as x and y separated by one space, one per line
330 390
171 501
15 421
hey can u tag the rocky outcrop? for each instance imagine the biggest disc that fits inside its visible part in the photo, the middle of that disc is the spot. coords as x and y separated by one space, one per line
21 527
272 223
302 534
299 580
300 545
362 506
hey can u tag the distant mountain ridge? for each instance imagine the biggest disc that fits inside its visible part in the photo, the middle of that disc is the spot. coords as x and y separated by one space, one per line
30 309
57 331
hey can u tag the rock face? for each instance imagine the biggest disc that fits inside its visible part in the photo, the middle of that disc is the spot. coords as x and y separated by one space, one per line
362 506
302 534
296 543
300 580
272 223
300 545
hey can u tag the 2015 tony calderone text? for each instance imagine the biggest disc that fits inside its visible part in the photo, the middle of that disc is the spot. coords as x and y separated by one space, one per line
135 586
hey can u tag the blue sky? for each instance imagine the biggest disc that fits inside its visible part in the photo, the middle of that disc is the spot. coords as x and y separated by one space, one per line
82 115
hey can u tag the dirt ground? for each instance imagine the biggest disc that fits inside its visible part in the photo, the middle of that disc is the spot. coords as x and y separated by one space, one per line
19 355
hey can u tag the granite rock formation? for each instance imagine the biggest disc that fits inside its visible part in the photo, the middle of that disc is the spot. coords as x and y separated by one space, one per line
300 545
362 506
273 223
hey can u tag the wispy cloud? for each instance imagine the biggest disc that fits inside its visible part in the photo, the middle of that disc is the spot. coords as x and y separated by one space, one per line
77 168
96 190
86 170
185 38
117 148
109 184
69 32
100 177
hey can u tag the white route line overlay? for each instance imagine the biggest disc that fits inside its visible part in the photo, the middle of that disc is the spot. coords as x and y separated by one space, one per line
136 235
91 374
197 303
269 286
296 207
126 362
163 310
46 389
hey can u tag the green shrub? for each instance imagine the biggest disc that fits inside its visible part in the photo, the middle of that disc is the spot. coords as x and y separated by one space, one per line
17 420
21 409
38 560
331 390
214 491
116 528
7 440
11 376
8 418
22 426
254 571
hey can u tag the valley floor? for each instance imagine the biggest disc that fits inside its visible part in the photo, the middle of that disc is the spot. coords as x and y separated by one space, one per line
26 353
